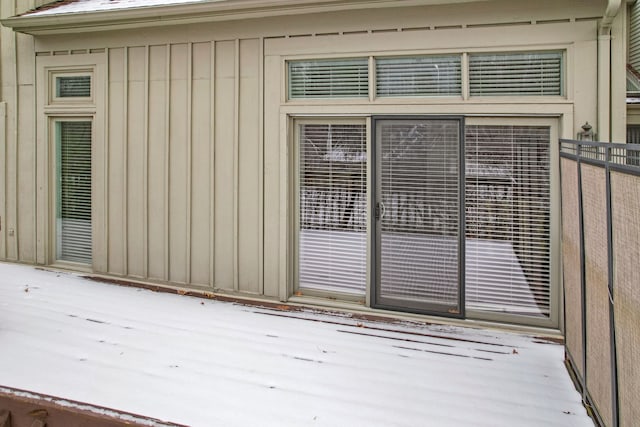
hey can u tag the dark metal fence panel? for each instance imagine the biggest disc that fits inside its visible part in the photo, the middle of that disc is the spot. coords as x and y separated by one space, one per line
604 178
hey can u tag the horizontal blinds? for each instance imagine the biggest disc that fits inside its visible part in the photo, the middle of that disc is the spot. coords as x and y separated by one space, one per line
521 74
634 36
419 225
74 191
332 207
507 219
334 78
73 87
419 76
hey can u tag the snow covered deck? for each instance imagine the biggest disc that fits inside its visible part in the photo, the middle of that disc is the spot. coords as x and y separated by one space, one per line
202 362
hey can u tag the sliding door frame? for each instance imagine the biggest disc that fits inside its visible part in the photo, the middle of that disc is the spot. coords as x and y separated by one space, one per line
375 185
295 123
556 297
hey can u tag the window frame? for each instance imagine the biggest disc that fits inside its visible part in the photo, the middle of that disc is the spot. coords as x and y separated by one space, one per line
465 96
54 100
374 76
563 74
84 108
295 123
288 64
555 276
294 294
54 147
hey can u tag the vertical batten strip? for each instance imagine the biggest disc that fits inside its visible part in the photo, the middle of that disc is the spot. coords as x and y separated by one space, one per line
212 172
372 79
284 203
34 106
261 171
166 162
125 162
189 159
464 68
16 108
145 167
106 159
3 169
236 169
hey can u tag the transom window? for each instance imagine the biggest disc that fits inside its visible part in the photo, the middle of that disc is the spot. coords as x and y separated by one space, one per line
487 75
419 76
334 78
516 74
71 87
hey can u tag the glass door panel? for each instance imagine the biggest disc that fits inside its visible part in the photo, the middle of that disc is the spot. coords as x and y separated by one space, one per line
332 207
418 215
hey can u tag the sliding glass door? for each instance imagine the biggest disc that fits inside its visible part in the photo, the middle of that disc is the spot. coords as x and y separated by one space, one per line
417 215
332 207
449 218
508 221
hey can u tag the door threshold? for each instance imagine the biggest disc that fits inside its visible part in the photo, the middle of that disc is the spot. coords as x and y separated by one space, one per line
358 309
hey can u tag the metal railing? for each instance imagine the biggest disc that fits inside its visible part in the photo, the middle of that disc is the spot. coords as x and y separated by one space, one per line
601 253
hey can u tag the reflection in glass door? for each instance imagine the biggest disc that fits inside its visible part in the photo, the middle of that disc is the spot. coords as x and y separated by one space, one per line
332 208
417 215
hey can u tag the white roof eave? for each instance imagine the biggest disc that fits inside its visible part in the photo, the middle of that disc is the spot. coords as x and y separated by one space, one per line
189 13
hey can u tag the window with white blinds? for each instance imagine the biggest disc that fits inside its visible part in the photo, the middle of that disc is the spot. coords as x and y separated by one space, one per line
329 78
516 74
73 86
332 207
507 219
419 76
73 146
419 196
634 36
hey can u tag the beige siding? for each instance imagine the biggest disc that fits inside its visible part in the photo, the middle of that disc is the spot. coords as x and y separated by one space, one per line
158 106
178 162
116 153
201 165
192 153
136 162
225 190
272 168
249 208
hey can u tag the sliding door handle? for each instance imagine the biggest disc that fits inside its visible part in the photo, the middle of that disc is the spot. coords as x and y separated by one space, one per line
380 210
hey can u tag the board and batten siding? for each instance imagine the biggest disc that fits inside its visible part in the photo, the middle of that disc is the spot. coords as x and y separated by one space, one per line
178 161
17 147
191 157
180 117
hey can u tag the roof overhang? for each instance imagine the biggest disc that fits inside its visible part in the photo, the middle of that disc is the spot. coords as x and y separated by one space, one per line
190 13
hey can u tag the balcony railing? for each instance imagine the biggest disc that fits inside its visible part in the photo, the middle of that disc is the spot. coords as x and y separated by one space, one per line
601 256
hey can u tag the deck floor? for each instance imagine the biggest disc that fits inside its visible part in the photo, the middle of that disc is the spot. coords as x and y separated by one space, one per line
205 363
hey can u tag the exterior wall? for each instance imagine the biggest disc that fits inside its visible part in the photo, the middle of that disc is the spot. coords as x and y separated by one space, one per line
169 189
17 149
620 34
191 162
